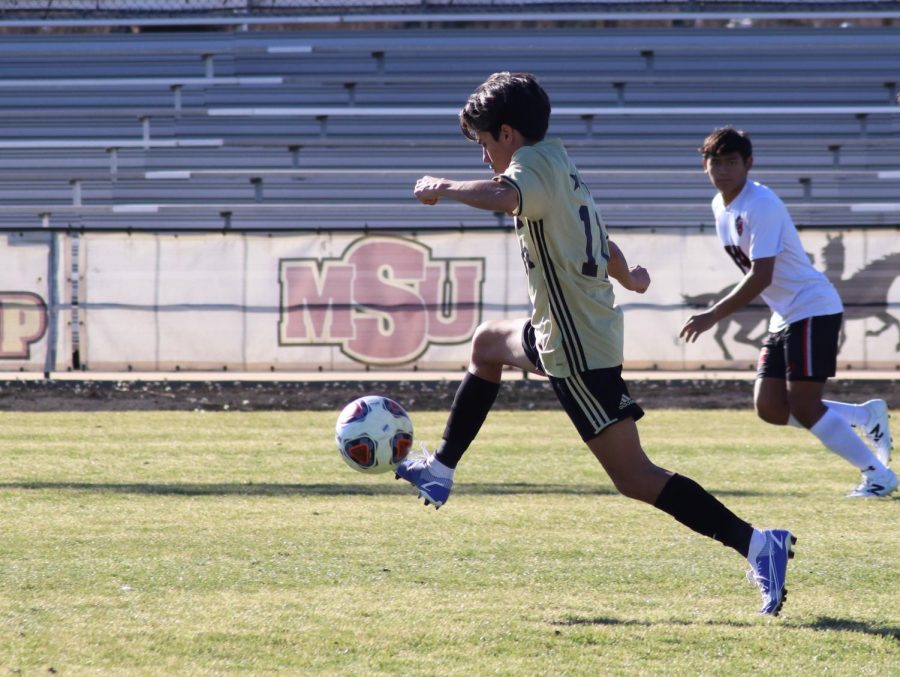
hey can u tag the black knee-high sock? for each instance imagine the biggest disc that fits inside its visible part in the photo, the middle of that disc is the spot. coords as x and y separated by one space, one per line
474 399
697 509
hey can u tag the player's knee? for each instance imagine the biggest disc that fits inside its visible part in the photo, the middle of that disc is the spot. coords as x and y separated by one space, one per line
488 344
807 413
482 340
631 489
772 413
638 485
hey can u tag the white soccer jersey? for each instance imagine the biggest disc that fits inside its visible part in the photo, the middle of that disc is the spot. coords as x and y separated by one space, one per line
565 249
756 225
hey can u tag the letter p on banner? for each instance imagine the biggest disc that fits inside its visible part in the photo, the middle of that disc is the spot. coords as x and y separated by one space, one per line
23 321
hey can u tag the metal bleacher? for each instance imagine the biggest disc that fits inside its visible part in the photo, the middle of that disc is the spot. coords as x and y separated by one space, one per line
308 128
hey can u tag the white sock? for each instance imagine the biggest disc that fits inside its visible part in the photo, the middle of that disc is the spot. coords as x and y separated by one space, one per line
836 434
854 414
438 469
757 541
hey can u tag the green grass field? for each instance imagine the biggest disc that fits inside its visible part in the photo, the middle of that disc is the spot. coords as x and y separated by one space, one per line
221 543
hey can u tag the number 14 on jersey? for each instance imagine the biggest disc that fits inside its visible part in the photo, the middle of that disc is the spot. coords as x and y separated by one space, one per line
589 267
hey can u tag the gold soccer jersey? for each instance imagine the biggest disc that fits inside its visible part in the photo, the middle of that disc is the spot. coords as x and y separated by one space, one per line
565 250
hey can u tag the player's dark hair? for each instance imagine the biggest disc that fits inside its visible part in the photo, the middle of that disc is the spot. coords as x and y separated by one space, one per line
727 140
514 99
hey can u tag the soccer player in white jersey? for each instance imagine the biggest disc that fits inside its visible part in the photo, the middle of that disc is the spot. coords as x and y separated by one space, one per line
575 333
800 352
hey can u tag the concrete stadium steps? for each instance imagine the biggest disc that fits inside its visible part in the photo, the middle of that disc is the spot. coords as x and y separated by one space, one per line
158 102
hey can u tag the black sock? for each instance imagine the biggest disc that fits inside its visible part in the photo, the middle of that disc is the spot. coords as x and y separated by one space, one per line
474 399
697 509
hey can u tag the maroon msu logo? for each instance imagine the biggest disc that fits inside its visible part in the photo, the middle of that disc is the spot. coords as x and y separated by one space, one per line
384 301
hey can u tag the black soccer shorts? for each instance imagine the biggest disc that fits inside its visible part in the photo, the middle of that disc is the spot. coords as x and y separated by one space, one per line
805 350
594 399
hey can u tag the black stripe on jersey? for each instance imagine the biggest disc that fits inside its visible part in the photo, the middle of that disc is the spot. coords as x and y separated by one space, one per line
510 182
578 361
544 259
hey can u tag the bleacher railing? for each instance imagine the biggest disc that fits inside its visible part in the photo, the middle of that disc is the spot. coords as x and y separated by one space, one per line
150 12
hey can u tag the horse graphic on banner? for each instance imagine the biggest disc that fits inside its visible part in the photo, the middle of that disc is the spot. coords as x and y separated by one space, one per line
864 295
865 292
747 319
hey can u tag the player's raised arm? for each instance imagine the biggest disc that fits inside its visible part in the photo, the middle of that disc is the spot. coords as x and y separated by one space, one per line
495 196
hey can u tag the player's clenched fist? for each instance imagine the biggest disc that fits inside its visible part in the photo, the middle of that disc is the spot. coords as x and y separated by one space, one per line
640 279
428 188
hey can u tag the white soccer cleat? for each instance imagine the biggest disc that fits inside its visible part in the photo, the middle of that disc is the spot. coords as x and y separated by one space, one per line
875 484
877 430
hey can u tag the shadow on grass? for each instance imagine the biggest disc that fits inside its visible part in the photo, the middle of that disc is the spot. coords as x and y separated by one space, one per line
829 624
600 620
821 624
386 488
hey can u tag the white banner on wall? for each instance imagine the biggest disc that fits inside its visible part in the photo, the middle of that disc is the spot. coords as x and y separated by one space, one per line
690 271
346 301
298 302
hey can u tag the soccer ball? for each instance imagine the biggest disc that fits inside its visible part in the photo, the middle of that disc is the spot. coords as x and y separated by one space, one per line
373 434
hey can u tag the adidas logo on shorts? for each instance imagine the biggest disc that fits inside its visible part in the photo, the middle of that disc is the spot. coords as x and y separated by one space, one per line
624 402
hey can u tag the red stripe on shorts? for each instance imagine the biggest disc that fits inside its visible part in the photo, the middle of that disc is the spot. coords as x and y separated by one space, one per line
807 347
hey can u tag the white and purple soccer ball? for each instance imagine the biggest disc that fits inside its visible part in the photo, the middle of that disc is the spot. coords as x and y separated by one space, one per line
373 434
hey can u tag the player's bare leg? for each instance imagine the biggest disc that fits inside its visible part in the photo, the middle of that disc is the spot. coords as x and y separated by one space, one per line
496 344
805 401
771 400
619 451
618 448
836 434
800 404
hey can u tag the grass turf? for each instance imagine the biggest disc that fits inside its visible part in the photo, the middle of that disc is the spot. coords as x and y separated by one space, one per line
211 543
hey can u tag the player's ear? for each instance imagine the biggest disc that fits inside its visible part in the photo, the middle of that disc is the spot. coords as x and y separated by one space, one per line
748 163
506 132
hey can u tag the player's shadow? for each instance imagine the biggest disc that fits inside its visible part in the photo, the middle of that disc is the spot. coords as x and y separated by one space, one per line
821 624
829 624
385 487
210 489
381 488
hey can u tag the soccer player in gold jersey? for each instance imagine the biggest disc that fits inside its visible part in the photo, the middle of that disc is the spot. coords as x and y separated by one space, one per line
574 336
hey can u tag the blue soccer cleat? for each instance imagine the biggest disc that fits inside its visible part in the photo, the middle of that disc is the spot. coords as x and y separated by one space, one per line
416 470
770 569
